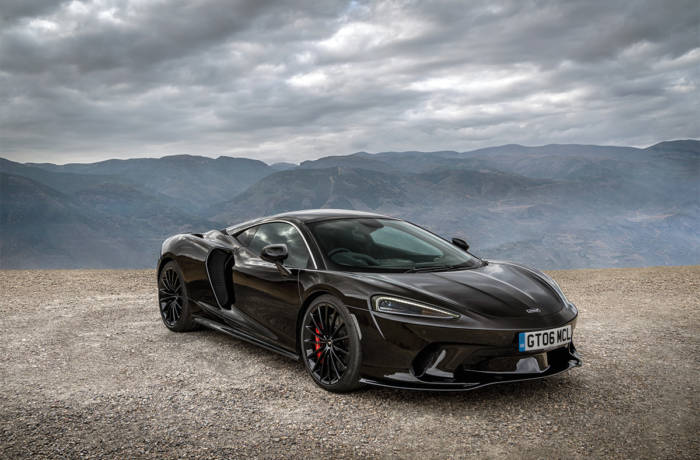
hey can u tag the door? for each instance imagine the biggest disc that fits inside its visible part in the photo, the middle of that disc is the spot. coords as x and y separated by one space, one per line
268 300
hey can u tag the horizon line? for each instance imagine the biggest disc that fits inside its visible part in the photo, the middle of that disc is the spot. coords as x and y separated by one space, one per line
31 163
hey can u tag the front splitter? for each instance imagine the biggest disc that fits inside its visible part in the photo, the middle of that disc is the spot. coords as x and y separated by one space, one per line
494 379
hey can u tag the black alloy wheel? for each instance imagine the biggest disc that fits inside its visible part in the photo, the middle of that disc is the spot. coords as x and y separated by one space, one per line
170 296
330 346
172 299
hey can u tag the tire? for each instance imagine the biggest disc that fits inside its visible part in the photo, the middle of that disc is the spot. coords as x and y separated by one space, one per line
173 302
330 345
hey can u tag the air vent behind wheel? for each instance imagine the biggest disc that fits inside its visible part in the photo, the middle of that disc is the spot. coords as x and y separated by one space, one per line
219 270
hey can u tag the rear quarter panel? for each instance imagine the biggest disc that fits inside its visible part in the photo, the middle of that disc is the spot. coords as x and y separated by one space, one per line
190 252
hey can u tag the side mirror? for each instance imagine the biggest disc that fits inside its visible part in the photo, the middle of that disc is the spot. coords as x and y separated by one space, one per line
276 254
460 243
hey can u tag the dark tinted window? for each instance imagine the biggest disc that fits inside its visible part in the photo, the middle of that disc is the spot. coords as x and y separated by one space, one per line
281 233
386 244
246 237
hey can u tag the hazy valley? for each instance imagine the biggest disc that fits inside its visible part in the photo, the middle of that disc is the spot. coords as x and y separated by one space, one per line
555 206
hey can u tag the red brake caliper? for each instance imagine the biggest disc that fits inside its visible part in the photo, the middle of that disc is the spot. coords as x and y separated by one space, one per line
317 345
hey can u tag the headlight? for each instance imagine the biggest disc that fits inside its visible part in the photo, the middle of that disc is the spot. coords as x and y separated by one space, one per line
395 306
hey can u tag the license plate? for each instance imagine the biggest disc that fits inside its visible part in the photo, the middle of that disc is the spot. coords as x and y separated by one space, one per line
540 340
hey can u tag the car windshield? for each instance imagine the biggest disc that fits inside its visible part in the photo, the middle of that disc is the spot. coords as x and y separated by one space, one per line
368 244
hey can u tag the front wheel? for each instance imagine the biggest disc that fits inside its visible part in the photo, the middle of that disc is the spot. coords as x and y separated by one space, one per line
331 345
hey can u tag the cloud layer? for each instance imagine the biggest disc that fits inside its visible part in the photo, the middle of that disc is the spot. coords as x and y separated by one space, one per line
287 81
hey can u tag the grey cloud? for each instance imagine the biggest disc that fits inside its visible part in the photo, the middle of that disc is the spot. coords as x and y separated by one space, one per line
13 10
128 39
296 80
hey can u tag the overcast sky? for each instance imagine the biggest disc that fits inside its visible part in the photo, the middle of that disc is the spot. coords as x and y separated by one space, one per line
288 81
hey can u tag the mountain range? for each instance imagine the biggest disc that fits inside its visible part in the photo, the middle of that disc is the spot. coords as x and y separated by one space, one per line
553 206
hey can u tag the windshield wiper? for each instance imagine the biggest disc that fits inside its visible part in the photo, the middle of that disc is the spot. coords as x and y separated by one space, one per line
426 269
432 268
460 266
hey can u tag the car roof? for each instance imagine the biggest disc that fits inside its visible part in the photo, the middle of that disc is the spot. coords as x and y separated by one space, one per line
311 215
308 215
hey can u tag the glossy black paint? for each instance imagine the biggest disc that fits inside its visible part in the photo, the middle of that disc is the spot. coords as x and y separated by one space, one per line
478 348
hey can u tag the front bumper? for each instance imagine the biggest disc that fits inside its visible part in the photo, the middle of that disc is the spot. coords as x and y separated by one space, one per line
421 355
515 369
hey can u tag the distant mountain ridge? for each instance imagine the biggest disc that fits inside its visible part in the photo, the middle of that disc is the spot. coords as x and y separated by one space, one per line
553 206
194 180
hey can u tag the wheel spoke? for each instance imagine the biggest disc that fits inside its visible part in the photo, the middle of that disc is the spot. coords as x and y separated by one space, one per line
342 350
316 324
332 322
325 319
329 375
311 329
169 312
322 371
171 280
341 330
339 360
327 365
319 360
333 365
319 318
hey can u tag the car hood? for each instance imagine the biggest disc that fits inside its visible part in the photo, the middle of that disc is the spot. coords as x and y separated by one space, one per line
495 290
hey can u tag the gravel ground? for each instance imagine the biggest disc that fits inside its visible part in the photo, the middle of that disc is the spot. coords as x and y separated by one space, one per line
88 370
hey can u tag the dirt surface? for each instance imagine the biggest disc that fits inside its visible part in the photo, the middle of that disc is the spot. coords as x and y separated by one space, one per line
88 370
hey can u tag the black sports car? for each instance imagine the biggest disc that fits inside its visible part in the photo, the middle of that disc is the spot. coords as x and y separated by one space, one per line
366 298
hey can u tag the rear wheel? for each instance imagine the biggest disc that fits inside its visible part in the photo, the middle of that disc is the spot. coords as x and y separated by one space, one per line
331 345
172 299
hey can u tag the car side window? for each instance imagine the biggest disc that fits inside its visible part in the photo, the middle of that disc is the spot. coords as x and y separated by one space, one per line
247 236
281 233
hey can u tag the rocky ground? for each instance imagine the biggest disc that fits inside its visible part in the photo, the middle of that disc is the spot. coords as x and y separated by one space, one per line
88 370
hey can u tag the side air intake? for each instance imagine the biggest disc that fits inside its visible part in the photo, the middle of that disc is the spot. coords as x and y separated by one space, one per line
219 268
